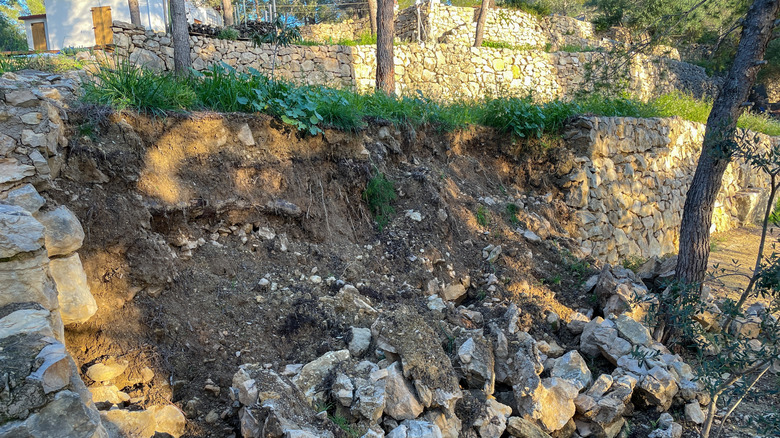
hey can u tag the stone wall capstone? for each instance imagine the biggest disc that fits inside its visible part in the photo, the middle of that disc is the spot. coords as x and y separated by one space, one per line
630 179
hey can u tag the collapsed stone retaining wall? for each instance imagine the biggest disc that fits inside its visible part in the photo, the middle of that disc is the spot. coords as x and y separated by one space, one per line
630 179
446 71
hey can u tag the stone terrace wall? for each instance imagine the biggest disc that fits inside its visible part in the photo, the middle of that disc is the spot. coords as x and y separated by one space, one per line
326 65
333 32
630 180
451 24
446 71
43 283
453 70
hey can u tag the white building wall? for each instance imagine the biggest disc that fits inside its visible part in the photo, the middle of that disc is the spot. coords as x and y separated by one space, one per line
70 21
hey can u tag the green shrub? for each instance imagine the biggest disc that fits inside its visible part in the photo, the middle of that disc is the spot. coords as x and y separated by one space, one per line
379 194
228 33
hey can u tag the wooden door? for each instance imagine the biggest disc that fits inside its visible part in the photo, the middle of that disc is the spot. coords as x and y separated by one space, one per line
101 21
39 37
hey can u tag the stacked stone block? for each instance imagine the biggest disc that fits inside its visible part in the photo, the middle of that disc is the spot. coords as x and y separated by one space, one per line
630 179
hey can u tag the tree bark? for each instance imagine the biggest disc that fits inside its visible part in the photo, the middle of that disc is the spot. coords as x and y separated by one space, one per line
718 145
135 12
480 34
227 12
181 38
372 16
385 31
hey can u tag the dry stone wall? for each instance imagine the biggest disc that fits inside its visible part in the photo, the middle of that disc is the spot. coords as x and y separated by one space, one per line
334 32
43 283
451 71
630 178
326 65
447 71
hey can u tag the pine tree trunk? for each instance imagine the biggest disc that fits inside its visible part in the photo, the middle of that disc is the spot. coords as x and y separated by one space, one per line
718 142
372 15
181 38
385 31
483 11
227 12
135 12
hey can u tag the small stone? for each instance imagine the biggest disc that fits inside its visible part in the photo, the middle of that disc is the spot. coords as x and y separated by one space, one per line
212 417
453 292
414 215
121 422
361 340
531 236
245 135
694 413
25 197
108 370
169 420
77 305
519 427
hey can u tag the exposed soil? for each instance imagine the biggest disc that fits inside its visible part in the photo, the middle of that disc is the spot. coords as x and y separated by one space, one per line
146 188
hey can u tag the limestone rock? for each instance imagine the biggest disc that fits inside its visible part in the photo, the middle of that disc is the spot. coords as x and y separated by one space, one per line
361 340
169 419
21 98
415 429
314 372
108 394
25 197
26 280
658 388
694 413
478 363
343 390
572 367
19 231
453 292
107 370
632 331
519 427
404 332
402 403
492 423
281 409
146 58
77 304
12 171
65 416
63 231
556 404
245 135
370 398
124 423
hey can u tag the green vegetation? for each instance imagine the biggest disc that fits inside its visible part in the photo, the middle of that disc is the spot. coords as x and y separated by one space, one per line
575 48
689 108
313 108
364 39
228 33
43 62
379 194
503 45
633 262
482 216
11 36
511 213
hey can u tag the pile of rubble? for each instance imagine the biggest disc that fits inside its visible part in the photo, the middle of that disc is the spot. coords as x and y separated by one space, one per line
398 378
